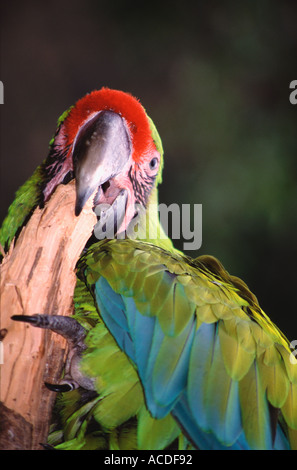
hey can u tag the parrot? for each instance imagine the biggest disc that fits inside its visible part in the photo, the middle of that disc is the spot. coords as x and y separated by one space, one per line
165 351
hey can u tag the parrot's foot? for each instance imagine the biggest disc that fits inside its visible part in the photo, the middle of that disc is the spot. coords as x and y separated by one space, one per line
75 334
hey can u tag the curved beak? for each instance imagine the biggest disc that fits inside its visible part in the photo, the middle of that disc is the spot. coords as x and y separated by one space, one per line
101 150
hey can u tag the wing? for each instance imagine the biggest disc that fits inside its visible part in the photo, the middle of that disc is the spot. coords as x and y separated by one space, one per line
202 347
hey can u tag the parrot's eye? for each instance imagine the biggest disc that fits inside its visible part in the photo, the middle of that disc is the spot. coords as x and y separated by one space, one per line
153 163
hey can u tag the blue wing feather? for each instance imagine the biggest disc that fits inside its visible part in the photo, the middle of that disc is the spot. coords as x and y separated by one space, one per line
171 366
112 310
142 331
216 412
180 374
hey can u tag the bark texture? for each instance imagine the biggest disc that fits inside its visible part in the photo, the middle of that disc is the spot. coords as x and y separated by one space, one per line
37 275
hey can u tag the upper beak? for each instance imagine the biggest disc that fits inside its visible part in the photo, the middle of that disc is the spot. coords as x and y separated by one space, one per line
101 150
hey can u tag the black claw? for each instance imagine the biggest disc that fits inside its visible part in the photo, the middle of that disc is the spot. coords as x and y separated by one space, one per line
58 387
67 327
25 318
47 446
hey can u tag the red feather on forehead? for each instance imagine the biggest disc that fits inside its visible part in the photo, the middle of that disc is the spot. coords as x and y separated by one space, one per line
119 102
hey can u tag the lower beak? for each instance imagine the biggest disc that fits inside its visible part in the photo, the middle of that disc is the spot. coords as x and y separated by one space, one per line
101 150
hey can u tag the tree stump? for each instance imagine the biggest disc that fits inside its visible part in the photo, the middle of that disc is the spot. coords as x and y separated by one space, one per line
37 275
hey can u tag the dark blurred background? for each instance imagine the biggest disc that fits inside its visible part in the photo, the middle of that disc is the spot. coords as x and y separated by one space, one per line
214 77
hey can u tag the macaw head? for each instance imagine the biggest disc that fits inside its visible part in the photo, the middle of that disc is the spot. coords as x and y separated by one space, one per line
112 149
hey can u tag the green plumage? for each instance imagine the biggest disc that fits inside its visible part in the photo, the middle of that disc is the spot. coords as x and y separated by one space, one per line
26 198
254 355
123 421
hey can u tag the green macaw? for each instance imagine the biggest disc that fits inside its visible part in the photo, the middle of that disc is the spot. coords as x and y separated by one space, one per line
168 351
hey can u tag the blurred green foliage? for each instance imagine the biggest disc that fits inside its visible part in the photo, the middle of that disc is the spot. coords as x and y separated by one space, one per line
214 77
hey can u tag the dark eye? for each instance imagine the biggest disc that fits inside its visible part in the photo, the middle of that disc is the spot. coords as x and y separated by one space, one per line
153 163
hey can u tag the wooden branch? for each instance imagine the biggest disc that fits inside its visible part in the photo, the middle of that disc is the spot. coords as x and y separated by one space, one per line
37 276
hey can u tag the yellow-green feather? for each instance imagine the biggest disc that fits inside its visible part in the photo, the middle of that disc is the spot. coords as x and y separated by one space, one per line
174 289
